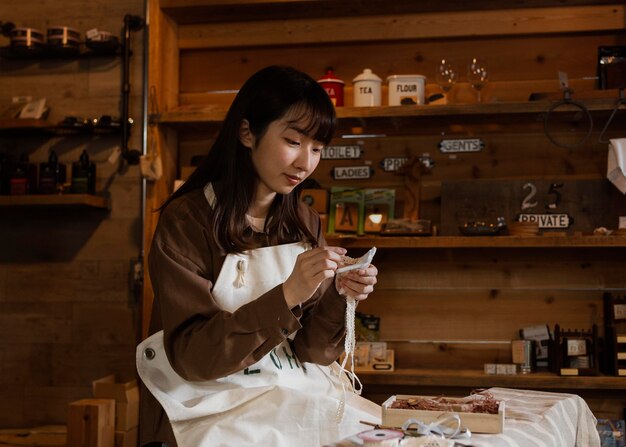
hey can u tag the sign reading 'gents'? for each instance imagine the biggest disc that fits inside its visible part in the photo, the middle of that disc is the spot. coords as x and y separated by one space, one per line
462 145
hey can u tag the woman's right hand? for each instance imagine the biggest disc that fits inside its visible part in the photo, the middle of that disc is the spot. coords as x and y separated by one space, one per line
311 269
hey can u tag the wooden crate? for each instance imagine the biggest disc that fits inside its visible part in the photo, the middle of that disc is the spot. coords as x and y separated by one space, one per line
91 423
476 422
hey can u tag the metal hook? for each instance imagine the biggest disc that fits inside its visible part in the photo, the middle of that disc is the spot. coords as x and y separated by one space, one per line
567 101
621 100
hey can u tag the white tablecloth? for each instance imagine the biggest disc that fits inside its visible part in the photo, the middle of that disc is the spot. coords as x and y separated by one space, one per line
540 419
535 419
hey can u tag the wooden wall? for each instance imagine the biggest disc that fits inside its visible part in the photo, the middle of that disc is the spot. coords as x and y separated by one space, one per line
446 309
66 312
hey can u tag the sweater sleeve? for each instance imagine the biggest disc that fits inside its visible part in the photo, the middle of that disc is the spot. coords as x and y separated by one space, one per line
202 341
321 339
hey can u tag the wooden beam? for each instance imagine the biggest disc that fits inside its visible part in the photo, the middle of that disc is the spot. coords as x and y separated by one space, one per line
403 27
164 86
213 11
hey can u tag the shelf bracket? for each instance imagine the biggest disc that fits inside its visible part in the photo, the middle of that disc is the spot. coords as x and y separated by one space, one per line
131 23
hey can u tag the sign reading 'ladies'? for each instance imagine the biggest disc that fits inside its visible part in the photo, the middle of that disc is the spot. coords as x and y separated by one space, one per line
351 172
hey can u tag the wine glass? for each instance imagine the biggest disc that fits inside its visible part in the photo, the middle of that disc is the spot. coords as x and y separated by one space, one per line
446 76
477 75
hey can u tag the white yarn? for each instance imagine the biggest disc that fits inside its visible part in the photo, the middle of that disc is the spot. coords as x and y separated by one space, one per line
350 340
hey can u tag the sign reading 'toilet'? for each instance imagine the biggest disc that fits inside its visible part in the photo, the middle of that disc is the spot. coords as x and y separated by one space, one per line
341 152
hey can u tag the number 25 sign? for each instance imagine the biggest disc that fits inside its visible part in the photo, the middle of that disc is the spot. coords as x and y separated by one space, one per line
545 220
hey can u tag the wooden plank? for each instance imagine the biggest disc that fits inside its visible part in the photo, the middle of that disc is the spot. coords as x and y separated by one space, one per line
462 315
90 236
15 355
163 80
477 379
206 113
588 203
462 93
555 269
13 405
44 436
409 26
403 242
208 11
72 282
34 322
507 156
527 58
76 364
47 401
103 324
57 200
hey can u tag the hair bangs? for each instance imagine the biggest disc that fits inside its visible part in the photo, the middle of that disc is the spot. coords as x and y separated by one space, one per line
315 118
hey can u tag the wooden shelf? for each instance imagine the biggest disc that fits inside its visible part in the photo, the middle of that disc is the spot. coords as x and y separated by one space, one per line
200 114
25 127
478 379
40 200
209 11
545 241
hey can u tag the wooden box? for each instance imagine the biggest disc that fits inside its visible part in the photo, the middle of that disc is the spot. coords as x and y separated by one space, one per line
476 422
91 423
126 396
128 438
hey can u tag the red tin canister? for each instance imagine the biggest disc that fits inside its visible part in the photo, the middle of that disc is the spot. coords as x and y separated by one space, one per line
333 86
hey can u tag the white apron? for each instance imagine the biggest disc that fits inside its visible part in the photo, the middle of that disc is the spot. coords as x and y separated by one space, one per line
276 402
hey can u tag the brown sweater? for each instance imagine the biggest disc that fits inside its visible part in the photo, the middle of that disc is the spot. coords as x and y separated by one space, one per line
184 263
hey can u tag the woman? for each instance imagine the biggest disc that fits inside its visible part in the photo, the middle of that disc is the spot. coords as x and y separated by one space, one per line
247 312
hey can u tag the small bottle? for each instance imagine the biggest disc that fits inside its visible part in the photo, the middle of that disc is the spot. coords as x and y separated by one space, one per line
83 175
23 178
51 175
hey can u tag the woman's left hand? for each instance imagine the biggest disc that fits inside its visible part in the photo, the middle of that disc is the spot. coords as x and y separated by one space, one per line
357 284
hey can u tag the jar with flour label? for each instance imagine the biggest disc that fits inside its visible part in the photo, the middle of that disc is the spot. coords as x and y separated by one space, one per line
406 89
366 89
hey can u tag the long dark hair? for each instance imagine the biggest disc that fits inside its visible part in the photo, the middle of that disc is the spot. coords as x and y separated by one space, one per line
266 96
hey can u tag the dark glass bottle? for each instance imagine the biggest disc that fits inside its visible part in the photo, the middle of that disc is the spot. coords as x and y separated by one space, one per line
51 175
24 177
83 175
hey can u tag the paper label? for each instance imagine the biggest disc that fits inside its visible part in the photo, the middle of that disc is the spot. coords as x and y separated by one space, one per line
576 347
619 311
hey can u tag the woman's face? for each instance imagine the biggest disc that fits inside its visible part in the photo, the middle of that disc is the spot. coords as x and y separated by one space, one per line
283 157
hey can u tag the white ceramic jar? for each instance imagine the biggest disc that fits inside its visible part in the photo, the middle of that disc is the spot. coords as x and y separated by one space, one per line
366 89
406 89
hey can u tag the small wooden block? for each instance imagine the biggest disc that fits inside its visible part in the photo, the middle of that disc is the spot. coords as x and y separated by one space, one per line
91 423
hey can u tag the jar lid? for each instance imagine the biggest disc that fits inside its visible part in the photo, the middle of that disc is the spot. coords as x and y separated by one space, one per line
405 77
367 75
330 77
